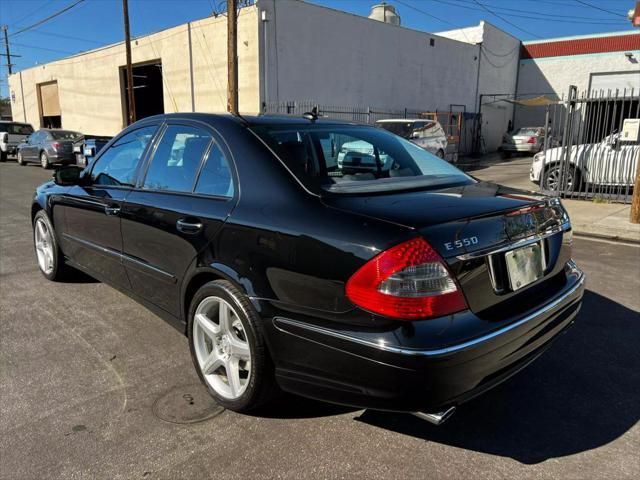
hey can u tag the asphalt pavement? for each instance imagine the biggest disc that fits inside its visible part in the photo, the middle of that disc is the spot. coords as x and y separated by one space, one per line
92 385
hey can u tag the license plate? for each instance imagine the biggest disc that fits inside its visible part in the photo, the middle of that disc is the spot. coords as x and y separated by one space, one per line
525 265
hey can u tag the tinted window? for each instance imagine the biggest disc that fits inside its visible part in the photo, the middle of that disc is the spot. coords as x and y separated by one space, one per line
368 159
117 165
177 158
16 128
403 129
215 177
64 135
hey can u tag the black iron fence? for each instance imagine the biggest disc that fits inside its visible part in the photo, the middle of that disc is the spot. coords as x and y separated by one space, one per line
592 146
453 121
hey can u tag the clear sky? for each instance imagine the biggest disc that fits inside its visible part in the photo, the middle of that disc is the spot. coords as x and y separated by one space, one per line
93 23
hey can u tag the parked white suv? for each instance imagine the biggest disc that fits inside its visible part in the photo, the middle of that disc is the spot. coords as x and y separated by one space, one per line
425 133
11 135
609 162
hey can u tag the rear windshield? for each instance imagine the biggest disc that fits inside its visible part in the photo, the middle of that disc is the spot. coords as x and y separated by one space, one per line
357 159
64 135
404 129
528 131
16 128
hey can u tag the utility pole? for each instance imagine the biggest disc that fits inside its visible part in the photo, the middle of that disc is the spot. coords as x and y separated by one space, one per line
7 51
127 41
634 217
232 57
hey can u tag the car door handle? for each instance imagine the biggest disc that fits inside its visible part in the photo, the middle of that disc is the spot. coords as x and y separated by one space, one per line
112 210
188 227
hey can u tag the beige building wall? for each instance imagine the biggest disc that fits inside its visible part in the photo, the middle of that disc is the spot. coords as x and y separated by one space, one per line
89 84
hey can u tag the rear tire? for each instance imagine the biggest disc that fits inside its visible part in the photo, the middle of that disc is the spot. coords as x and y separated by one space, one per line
19 159
228 348
50 258
44 160
3 156
440 154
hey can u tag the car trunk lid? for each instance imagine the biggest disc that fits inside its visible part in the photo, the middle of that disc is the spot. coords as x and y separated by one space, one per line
472 227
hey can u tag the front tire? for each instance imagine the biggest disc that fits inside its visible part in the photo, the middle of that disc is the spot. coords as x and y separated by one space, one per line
440 154
228 348
44 160
553 179
50 258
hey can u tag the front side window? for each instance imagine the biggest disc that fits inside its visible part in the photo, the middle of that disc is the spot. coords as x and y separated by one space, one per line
354 159
176 161
215 177
117 166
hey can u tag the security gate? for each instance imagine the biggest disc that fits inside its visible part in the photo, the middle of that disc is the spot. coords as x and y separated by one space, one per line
591 147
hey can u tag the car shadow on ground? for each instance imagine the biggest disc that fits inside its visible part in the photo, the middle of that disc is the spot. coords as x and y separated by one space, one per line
288 406
581 394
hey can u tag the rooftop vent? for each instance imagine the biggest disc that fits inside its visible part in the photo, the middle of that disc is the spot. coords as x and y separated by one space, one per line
385 13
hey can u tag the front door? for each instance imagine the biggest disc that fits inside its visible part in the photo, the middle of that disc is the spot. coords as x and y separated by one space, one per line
185 197
92 236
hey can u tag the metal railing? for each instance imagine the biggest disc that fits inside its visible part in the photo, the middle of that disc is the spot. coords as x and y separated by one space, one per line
591 147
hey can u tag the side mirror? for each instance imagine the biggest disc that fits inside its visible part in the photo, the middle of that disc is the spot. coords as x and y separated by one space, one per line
67 176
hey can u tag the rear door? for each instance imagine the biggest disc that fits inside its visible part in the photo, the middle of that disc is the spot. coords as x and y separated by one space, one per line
29 151
186 195
92 236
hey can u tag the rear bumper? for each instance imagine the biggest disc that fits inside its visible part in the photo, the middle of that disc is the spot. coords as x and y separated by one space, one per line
356 369
520 147
62 158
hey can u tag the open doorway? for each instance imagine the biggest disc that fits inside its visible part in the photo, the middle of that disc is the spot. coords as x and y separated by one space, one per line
147 89
49 105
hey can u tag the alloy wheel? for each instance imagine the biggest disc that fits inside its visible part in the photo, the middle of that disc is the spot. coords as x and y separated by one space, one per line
222 347
553 180
19 159
44 247
44 161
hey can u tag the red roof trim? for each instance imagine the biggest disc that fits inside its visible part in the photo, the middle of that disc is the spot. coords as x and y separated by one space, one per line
582 46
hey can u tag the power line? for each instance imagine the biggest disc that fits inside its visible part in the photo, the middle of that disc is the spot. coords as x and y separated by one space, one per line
437 18
601 9
24 45
69 37
541 16
33 12
506 20
46 19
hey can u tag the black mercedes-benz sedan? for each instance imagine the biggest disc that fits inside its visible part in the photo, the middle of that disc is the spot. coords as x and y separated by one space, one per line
329 259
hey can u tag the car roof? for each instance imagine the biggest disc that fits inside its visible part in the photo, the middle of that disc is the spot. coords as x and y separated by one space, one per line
249 120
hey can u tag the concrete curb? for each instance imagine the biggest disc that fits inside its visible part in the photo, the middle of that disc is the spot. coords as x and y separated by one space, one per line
611 238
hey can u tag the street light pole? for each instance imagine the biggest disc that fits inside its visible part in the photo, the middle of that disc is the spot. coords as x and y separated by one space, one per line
232 57
127 41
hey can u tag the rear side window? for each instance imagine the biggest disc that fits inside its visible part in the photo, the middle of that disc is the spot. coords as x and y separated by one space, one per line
176 161
117 166
215 177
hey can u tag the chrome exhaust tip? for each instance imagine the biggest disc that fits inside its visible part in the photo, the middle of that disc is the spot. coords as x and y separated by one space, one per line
436 418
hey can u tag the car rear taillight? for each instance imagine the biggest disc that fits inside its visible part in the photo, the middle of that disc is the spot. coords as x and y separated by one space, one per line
409 281
531 140
55 145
